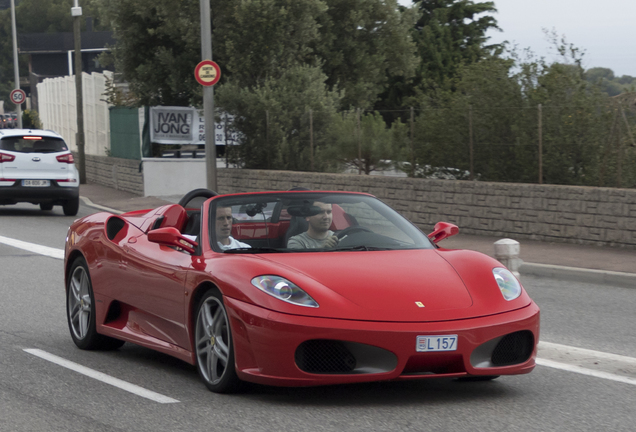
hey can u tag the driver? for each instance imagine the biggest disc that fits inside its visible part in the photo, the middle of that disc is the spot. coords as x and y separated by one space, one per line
224 229
318 235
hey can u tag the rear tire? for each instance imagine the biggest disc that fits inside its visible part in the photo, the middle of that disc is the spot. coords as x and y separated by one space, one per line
80 311
71 207
46 206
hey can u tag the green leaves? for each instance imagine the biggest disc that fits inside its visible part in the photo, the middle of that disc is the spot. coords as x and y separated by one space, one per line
362 142
274 118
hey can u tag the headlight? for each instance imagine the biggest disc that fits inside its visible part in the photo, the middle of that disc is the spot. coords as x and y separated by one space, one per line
508 284
284 290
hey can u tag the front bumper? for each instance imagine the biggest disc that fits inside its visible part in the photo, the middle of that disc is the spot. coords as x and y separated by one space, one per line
266 345
53 194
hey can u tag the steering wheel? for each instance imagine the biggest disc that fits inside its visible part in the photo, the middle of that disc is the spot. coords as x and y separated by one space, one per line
196 193
350 230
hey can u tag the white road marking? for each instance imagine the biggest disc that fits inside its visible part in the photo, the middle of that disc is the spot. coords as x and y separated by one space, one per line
597 364
132 388
32 247
543 346
584 371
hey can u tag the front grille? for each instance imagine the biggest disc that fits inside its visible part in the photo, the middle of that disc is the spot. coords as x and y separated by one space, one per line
513 349
324 356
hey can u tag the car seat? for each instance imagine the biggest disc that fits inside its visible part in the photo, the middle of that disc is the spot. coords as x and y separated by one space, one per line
193 226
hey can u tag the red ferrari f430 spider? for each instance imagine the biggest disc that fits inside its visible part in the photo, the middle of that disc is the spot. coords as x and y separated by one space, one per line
295 288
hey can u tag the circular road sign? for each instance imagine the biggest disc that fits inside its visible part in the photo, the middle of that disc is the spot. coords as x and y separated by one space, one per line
207 73
17 96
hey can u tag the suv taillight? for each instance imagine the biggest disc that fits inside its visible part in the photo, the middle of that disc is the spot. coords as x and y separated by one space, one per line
6 157
65 158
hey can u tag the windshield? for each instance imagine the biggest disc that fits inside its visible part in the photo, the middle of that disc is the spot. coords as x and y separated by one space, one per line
33 144
309 222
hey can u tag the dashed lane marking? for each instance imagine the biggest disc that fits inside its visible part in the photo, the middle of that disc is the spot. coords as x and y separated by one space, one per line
132 388
33 247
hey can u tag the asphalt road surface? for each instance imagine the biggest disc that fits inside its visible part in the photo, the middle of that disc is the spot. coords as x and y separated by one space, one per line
585 380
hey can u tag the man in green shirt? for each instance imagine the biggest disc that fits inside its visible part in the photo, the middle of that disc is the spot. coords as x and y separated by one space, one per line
318 235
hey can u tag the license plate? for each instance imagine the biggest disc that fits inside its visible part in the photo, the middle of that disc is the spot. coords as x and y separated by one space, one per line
436 343
36 183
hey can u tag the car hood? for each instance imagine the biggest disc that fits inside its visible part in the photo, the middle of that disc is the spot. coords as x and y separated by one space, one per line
385 283
394 286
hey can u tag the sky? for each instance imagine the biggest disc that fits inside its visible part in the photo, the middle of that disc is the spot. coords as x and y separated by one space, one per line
605 30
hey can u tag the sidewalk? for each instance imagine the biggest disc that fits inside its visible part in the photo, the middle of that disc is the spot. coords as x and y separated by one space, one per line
597 264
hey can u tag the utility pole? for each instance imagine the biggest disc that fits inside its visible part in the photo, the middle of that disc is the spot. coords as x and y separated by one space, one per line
76 12
208 98
16 71
540 115
311 137
470 142
412 144
359 143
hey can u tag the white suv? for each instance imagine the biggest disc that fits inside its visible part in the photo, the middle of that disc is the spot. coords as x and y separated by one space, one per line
37 167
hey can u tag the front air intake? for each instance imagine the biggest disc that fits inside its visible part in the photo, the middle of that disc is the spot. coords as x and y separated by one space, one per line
513 348
322 356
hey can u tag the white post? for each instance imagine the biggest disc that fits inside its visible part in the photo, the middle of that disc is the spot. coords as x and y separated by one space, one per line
507 252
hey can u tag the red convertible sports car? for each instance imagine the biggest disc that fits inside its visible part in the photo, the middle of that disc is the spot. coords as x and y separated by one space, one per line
295 288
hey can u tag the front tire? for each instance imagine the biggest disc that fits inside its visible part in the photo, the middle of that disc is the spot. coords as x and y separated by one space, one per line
214 345
71 207
80 311
46 206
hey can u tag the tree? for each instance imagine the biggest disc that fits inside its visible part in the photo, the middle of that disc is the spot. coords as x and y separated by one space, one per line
158 46
451 33
363 142
487 102
273 118
608 82
37 16
260 40
596 74
448 34
363 43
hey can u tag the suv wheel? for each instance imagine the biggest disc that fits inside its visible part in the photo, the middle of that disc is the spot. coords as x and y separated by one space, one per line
71 207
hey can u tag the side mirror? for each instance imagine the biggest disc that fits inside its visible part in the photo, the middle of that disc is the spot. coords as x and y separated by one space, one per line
171 236
443 230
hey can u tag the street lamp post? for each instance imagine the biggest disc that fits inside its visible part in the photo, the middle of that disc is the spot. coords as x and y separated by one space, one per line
76 12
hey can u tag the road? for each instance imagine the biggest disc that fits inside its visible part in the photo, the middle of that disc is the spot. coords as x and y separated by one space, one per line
39 395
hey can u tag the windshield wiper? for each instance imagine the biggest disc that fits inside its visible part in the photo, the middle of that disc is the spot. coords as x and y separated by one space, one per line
256 250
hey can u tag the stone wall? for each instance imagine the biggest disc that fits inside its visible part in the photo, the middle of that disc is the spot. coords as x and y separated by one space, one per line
121 174
573 214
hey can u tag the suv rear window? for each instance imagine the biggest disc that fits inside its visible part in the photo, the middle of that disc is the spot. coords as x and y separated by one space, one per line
33 144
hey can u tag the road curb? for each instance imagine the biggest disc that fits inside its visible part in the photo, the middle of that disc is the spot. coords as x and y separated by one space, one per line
626 280
90 203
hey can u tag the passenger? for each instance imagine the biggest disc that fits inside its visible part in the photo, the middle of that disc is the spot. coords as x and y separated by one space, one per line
318 235
224 229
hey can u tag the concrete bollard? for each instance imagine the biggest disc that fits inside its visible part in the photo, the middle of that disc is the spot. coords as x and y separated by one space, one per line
507 252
